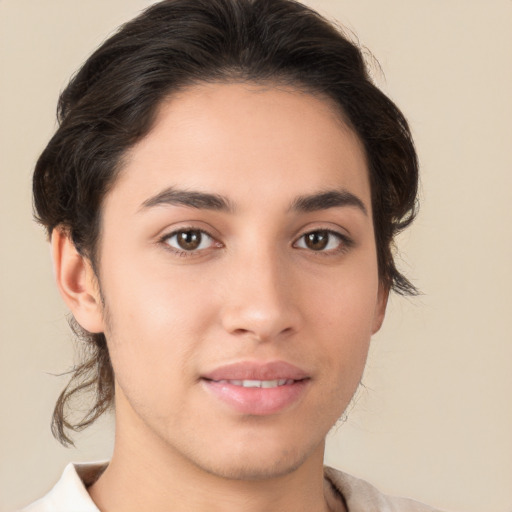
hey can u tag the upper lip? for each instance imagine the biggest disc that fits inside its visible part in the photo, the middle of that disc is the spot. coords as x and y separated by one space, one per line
255 370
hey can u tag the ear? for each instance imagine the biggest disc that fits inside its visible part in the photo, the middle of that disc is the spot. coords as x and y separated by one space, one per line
380 307
77 282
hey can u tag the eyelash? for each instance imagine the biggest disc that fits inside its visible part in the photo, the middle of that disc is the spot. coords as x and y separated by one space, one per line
182 252
345 243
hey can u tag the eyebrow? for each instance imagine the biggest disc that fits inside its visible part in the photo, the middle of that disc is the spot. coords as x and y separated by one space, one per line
327 199
192 199
207 201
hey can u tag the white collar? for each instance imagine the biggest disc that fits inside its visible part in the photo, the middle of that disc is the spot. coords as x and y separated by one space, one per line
70 494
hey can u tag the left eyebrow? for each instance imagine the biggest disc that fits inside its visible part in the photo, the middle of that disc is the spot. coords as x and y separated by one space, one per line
192 199
327 199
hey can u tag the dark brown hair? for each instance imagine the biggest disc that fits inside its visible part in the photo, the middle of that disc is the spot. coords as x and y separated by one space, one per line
111 102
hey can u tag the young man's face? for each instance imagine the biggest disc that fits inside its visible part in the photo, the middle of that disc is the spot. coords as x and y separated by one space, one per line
239 302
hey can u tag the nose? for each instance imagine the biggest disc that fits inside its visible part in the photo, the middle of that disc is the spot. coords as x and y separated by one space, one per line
260 299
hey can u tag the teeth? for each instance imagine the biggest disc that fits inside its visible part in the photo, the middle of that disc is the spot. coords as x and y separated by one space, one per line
259 383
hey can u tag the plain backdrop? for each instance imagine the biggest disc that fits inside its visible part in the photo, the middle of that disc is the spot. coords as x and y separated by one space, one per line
434 420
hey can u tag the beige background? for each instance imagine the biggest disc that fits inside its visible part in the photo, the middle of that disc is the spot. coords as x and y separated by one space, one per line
435 419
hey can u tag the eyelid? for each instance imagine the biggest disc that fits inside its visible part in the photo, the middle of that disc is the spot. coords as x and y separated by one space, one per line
345 241
163 239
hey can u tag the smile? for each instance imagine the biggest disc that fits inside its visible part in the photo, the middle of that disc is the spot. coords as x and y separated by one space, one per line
257 388
267 384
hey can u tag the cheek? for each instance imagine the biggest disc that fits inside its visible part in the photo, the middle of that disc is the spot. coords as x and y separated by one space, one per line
345 302
154 326
341 311
149 297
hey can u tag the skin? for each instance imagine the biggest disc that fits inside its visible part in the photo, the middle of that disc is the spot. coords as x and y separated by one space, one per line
254 290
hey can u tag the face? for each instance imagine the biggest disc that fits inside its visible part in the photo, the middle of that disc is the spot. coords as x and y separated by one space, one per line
239 274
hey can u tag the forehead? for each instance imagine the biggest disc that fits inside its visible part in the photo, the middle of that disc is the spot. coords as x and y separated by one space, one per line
248 142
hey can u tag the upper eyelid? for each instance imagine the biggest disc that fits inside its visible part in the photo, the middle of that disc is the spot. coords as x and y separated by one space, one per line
337 232
323 230
168 232
346 242
344 237
163 240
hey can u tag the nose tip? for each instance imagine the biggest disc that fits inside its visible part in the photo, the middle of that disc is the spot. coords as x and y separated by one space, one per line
258 319
261 305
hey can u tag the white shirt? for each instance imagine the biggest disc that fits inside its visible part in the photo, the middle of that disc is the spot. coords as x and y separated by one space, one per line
70 493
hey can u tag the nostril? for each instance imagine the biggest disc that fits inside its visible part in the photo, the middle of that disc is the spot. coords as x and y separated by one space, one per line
240 331
262 336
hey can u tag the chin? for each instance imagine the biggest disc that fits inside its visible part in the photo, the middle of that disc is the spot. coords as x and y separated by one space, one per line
255 470
259 461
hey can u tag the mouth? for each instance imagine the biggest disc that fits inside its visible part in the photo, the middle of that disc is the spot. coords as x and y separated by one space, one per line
259 389
266 384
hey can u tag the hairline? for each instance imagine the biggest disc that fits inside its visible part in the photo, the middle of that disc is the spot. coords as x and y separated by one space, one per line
281 83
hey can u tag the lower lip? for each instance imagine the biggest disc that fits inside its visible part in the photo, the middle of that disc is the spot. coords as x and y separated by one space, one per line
257 401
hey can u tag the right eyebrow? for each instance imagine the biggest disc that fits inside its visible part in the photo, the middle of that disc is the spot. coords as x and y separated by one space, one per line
190 198
328 199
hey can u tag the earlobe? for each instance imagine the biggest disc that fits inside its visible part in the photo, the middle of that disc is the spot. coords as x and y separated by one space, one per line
77 282
380 307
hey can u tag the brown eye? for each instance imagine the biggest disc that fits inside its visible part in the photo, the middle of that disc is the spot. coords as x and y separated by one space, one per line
317 241
322 240
189 240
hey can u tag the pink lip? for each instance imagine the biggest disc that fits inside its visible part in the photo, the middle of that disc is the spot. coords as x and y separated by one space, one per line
254 370
255 400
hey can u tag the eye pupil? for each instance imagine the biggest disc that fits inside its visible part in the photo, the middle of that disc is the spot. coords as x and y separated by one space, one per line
317 240
189 240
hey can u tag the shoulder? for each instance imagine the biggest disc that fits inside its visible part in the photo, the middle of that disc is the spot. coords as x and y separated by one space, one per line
70 493
360 496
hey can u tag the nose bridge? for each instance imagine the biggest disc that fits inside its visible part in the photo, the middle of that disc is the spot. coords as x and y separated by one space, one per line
259 298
